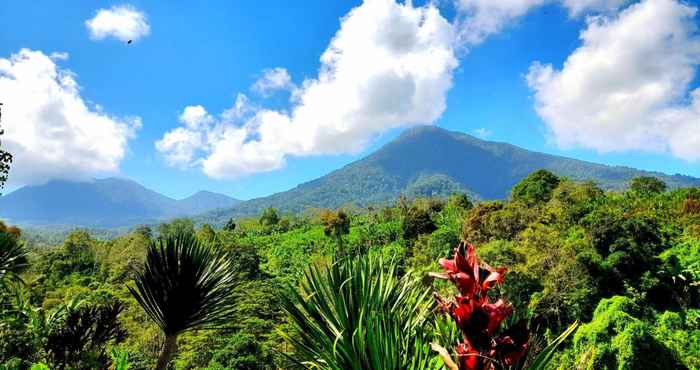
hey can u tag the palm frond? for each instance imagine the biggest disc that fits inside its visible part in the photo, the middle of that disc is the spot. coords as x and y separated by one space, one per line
13 257
545 356
358 314
185 284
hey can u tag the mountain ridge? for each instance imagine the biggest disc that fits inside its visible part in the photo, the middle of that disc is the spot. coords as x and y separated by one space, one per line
485 169
422 161
109 202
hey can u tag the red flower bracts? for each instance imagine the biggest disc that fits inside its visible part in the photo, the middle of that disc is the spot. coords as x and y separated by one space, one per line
477 318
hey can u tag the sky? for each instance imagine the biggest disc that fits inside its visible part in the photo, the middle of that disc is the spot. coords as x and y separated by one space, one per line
249 98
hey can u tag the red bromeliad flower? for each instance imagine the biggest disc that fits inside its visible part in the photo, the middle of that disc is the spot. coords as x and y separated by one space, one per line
476 317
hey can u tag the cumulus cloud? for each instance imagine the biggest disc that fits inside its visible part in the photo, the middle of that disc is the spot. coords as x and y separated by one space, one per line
478 19
389 65
122 22
481 18
49 128
273 80
627 86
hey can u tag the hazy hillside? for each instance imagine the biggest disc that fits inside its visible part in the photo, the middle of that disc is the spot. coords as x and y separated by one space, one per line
430 160
107 203
203 201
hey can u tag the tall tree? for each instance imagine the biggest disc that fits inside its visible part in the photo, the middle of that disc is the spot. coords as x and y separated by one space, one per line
185 285
230 225
536 188
269 217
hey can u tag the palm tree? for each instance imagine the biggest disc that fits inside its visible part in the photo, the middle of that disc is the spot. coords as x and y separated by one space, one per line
358 314
185 285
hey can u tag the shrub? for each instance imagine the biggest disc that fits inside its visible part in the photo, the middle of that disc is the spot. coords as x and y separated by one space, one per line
617 339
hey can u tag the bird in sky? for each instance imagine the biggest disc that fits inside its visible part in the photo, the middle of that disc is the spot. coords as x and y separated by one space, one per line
129 42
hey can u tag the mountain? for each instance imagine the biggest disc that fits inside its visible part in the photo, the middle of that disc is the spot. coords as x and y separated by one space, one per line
107 202
425 160
429 160
203 201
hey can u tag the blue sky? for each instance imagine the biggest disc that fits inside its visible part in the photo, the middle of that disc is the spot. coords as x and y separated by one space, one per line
205 54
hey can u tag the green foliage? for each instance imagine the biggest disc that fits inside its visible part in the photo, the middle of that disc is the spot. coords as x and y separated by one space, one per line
177 226
460 200
357 314
571 201
230 225
647 185
680 331
495 220
144 231
241 351
683 260
13 258
336 225
269 217
185 284
75 257
76 339
433 186
544 358
617 338
566 255
206 234
120 359
417 221
536 188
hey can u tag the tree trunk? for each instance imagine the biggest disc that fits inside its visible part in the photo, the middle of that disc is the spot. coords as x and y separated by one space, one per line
169 349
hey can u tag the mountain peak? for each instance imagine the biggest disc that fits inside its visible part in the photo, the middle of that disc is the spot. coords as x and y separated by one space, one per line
429 160
424 130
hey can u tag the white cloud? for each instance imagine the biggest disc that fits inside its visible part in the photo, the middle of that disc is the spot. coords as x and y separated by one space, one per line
389 65
627 86
59 56
478 19
273 80
195 116
482 132
49 128
122 22
481 18
180 146
577 7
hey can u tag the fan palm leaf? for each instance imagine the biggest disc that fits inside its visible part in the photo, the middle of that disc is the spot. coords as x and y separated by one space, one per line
358 314
13 257
184 285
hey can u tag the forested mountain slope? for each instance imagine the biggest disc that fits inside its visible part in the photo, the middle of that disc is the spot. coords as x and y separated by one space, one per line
428 160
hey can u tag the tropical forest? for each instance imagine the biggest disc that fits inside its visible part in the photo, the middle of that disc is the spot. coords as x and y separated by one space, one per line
350 185
561 275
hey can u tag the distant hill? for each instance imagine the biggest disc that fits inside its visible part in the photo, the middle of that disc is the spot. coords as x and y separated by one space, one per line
110 202
429 160
203 201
